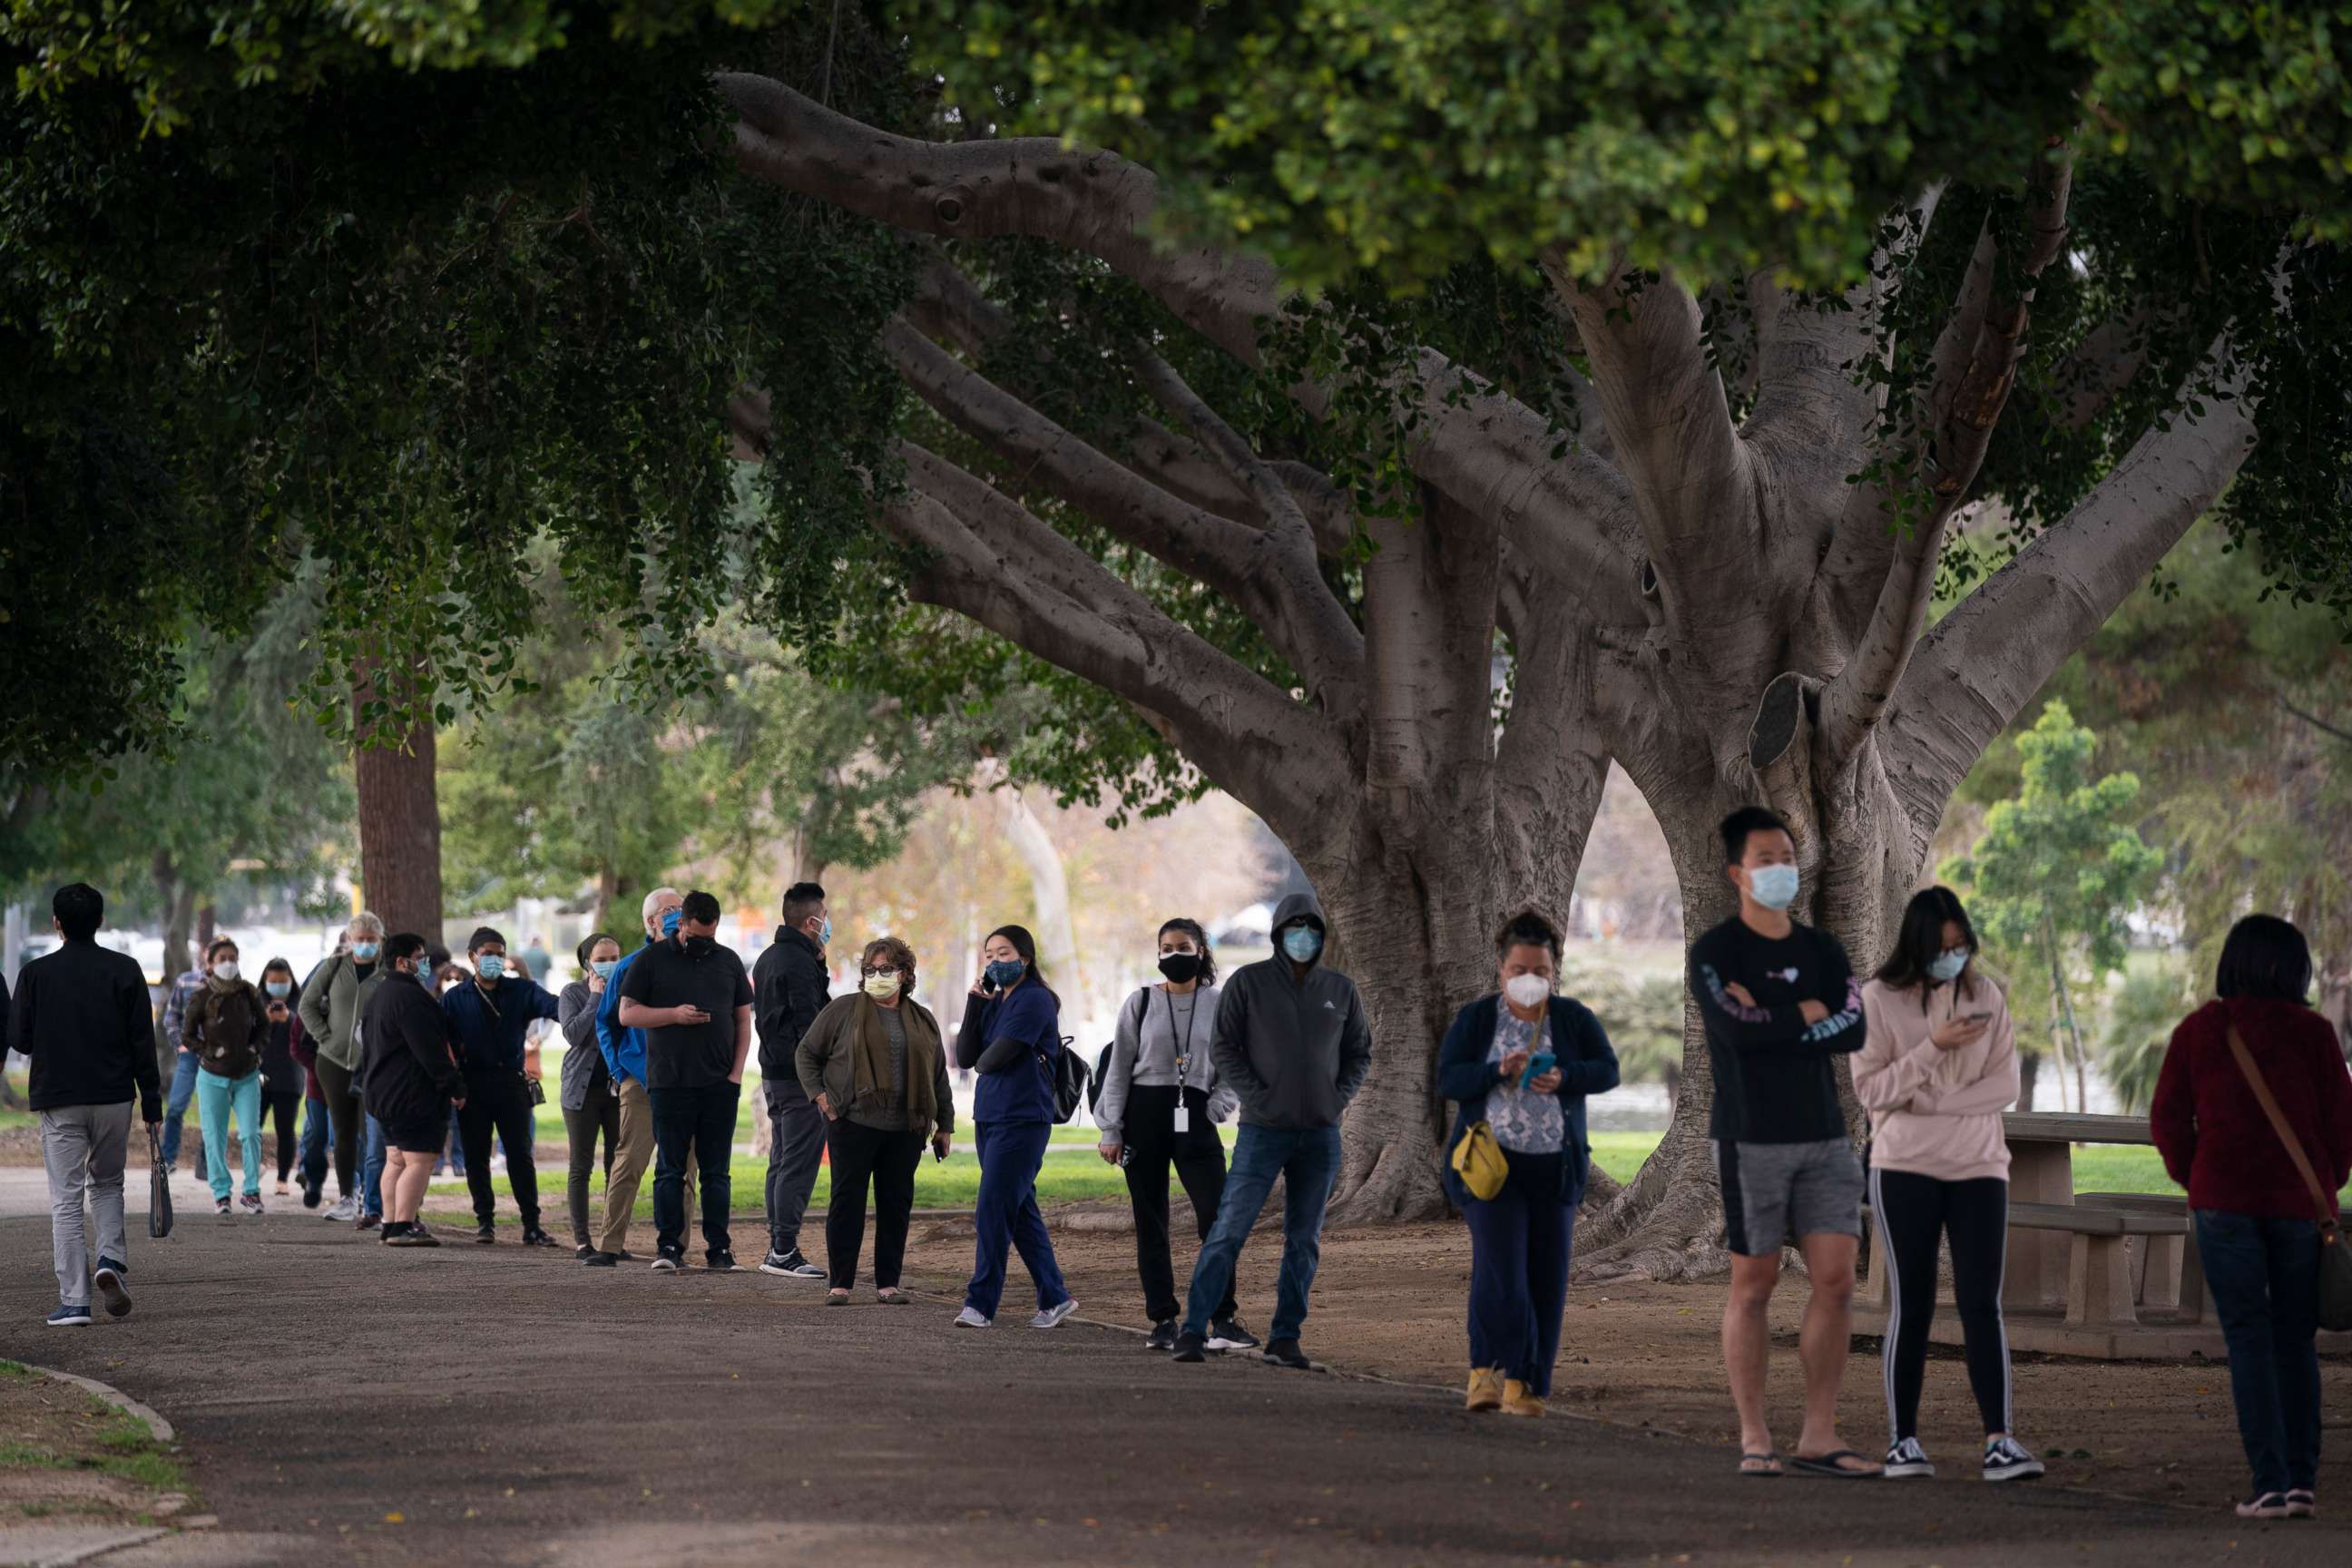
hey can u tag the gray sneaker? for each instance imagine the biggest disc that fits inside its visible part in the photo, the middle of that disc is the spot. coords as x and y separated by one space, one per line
1051 1318
970 1318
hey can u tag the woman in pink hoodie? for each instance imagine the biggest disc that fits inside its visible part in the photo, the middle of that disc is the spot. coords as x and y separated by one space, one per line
1938 1069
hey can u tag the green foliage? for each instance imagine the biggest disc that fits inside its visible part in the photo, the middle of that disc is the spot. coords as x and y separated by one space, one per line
2141 1016
1644 1018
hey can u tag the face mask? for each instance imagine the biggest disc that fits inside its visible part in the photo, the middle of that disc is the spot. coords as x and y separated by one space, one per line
1005 971
1774 887
1526 990
1181 967
1947 965
226 969
882 986
669 922
277 989
701 946
604 967
1302 944
825 933
365 951
422 976
492 965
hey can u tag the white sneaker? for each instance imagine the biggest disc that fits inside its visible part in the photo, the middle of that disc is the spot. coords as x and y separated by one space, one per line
970 1318
1051 1318
344 1209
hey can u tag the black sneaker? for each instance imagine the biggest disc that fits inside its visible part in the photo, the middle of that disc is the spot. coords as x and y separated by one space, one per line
394 1231
1286 1352
110 1289
2005 1460
1227 1334
309 1193
1163 1336
1907 1459
668 1263
790 1266
1192 1347
601 1260
486 1233
369 1222
720 1262
583 1253
535 1236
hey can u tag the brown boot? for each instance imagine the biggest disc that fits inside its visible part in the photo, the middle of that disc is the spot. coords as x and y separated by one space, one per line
1517 1401
1486 1389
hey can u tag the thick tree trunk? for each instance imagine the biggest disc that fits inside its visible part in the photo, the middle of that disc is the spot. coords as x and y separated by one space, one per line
608 888
400 832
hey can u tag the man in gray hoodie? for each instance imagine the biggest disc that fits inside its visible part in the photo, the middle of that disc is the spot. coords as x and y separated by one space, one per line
1291 1040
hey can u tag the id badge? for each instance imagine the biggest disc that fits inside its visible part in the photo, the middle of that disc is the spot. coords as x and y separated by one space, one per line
1184 1118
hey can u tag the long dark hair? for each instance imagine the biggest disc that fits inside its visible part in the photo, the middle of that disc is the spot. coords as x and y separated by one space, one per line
2264 956
1192 928
1026 946
1920 939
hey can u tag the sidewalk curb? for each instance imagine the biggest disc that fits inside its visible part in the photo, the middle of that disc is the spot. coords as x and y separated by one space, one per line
157 1427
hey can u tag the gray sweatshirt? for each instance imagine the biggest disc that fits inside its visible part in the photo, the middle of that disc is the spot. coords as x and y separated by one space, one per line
1295 1050
1147 1056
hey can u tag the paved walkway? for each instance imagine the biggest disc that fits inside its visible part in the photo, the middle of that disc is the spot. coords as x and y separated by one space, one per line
342 1402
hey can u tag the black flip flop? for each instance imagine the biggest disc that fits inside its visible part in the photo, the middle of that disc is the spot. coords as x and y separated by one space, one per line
1827 1467
1747 1474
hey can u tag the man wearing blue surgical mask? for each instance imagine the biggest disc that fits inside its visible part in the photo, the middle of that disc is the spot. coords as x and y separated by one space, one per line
488 1019
1292 1042
1779 1002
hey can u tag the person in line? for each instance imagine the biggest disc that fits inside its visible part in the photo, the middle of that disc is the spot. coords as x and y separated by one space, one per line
591 1109
281 1076
693 1000
488 1015
317 1127
1161 1105
184 1067
792 983
1937 1070
411 1078
1779 1001
2257 1218
1292 1039
624 1050
537 961
1522 1061
330 1007
224 1029
874 1066
1011 1037
82 1015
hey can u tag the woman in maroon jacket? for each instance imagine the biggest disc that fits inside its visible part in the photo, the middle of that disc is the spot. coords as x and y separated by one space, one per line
2257 1229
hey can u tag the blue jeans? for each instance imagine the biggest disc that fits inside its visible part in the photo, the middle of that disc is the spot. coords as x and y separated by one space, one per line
2264 1277
371 1169
184 1068
1011 1155
704 1117
318 1136
218 1098
1307 1158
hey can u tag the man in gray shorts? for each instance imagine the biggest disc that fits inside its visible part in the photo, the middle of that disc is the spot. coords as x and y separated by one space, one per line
1779 1002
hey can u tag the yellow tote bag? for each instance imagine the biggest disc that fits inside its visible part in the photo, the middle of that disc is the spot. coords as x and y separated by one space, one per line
1478 1161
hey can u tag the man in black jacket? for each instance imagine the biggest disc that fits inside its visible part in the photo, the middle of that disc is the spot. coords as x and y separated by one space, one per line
790 984
81 1013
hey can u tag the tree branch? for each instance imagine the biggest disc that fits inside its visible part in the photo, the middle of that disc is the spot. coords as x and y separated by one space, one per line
1976 671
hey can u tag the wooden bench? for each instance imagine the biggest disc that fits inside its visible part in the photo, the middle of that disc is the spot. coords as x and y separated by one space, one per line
2098 1272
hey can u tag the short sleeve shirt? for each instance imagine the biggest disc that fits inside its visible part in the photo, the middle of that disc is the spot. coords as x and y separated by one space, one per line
688 1056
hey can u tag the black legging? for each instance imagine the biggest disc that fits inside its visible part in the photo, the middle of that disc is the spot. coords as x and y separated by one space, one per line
284 1105
1914 1211
583 1128
1197 1154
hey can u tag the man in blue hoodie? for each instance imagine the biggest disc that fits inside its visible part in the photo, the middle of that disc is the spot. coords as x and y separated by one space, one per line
624 1058
1292 1041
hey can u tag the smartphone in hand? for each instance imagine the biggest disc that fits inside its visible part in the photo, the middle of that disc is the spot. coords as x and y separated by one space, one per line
1540 1063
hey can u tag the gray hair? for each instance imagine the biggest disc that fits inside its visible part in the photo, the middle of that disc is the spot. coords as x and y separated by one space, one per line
368 921
645 910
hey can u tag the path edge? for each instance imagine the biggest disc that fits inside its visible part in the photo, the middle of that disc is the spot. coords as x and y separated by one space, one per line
157 1427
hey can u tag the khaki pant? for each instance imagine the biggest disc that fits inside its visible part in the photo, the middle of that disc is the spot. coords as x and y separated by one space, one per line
632 1153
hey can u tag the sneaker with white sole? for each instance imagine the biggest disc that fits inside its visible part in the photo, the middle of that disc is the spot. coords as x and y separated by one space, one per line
343 1209
665 1263
971 1318
1227 1334
1053 1316
223 1208
2006 1459
2302 1504
2268 1505
1907 1459
69 1316
790 1266
114 1292
250 1203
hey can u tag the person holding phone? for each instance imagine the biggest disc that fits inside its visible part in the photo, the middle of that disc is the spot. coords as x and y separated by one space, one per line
1159 1107
875 1065
1012 1034
1937 1069
1523 1059
281 1075
591 1109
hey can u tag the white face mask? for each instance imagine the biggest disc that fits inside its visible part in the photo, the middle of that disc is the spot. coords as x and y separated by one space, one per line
224 971
1526 990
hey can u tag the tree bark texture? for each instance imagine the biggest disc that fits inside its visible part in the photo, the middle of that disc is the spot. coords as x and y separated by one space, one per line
1715 603
400 830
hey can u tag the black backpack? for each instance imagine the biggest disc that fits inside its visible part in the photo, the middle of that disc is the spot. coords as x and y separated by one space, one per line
1102 1060
1066 1076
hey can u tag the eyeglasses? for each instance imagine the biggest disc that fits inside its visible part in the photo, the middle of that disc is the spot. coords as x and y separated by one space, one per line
870 973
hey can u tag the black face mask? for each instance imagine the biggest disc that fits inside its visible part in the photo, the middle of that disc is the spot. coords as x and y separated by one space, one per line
701 946
1181 967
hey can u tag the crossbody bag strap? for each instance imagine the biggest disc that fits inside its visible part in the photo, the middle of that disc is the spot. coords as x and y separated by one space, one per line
2319 1197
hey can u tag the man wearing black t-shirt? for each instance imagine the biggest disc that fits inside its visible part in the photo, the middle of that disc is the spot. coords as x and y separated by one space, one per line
693 1000
1779 1002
